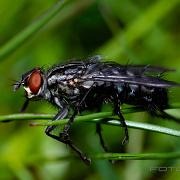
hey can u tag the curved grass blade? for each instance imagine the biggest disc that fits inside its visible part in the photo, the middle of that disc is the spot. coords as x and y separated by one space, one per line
111 156
95 118
138 28
16 41
138 156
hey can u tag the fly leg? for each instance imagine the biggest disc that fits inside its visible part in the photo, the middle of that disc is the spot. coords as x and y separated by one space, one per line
65 138
165 115
98 131
71 120
98 126
69 123
24 106
64 135
154 110
121 118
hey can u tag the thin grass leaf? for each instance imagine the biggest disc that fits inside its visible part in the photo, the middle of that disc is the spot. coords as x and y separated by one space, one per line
138 28
130 124
30 116
65 12
109 156
16 41
138 156
93 118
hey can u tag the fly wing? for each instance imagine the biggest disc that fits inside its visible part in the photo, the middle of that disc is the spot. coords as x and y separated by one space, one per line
140 69
148 68
140 80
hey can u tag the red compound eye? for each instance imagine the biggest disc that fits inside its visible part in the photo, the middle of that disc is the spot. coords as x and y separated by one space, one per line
34 81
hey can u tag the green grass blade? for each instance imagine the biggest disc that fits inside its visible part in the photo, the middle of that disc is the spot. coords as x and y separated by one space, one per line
15 42
97 119
138 156
29 116
93 118
138 28
110 156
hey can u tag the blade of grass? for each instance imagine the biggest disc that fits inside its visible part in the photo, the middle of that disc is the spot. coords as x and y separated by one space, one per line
148 127
24 116
130 124
138 28
138 156
95 118
65 12
16 41
30 116
110 156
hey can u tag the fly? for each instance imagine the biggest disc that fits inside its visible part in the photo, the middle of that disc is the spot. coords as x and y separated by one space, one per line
86 85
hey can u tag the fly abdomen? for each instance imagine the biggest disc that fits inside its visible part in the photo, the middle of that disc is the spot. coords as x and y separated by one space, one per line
149 98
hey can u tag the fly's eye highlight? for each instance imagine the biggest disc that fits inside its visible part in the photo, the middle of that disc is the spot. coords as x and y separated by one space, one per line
34 81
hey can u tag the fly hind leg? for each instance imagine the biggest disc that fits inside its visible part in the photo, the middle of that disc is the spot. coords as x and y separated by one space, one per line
154 110
98 125
98 131
121 118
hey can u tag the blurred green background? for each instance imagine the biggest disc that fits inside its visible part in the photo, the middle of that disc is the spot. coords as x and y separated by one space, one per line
126 31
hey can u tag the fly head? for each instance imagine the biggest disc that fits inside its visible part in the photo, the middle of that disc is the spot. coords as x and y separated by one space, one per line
33 82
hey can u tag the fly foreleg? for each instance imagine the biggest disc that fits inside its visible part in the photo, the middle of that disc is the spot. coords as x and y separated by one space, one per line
24 105
77 108
64 137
